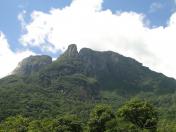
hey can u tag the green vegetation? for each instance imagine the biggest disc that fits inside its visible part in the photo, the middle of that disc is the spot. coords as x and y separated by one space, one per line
141 114
46 96
102 119
15 124
68 124
134 116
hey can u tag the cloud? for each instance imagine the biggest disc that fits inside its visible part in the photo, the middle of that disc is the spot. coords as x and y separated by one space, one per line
85 23
21 18
155 7
8 58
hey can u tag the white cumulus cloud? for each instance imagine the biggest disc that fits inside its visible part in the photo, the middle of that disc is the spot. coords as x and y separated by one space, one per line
85 23
8 58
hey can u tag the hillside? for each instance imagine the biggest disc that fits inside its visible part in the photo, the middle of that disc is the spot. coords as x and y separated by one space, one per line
76 81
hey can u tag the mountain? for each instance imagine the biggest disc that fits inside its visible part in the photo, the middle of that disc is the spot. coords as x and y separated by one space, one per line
112 70
32 64
40 87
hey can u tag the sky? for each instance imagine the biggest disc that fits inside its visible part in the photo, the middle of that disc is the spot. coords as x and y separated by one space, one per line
144 30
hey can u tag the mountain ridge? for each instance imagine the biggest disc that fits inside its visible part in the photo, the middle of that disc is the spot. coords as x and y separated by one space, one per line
73 52
76 81
119 70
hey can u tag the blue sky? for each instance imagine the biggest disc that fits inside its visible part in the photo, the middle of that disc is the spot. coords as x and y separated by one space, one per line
157 18
9 10
141 29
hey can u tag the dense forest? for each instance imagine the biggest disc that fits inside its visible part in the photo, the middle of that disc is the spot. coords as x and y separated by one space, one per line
87 91
135 115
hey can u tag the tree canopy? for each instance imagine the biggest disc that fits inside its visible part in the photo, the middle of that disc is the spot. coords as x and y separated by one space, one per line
140 113
101 119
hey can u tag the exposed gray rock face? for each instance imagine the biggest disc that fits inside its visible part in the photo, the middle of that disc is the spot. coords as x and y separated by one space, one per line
71 51
94 62
110 69
32 64
99 62
112 66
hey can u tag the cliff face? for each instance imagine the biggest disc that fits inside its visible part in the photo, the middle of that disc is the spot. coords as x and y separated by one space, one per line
110 69
71 52
32 64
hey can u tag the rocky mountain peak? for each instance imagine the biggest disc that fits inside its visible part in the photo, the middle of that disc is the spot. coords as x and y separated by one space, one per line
32 64
71 51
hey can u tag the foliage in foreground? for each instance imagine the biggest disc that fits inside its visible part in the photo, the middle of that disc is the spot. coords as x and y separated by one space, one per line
102 119
141 114
134 116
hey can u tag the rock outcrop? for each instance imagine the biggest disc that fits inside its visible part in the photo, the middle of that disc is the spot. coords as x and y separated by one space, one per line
110 69
32 64
70 52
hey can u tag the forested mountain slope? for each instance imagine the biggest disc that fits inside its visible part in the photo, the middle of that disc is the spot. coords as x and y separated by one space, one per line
76 81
